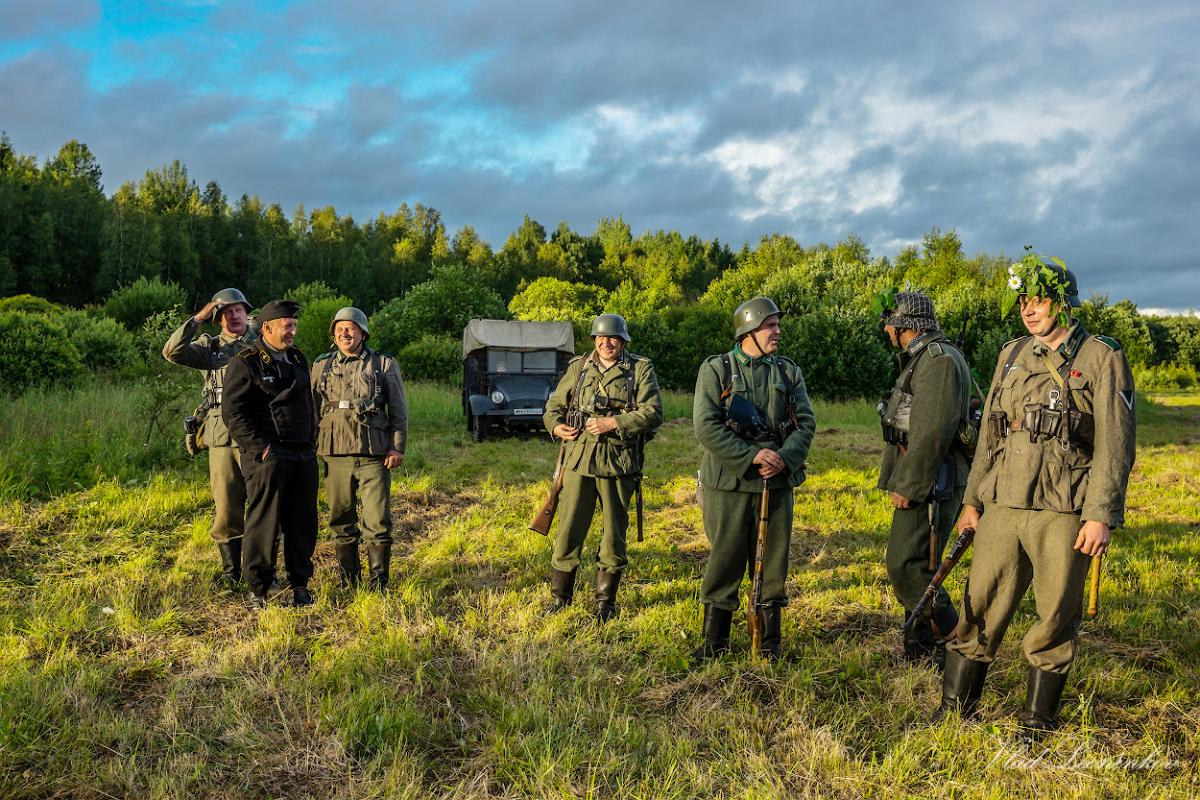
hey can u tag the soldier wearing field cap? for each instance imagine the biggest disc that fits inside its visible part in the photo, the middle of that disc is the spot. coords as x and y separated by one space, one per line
613 395
362 435
927 434
211 354
268 406
1046 490
752 416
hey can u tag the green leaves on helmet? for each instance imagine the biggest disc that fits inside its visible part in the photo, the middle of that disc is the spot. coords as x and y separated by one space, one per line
884 302
1036 275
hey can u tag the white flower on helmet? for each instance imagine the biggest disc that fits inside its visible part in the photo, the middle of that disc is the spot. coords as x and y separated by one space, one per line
1014 282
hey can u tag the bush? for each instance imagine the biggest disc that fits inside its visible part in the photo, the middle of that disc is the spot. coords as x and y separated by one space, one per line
312 330
432 358
30 304
101 343
35 350
1165 377
133 304
840 351
679 341
554 300
441 306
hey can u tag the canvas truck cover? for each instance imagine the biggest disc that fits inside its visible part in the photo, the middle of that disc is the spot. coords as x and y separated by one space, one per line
516 335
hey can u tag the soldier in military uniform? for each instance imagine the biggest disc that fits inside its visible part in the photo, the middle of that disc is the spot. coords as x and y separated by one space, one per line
362 435
1046 489
754 420
925 463
229 308
615 395
268 407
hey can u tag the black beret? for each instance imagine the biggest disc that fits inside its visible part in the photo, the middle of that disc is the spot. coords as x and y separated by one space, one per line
279 309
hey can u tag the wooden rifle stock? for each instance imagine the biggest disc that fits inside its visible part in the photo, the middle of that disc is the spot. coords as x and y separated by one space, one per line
956 552
544 518
756 578
1094 588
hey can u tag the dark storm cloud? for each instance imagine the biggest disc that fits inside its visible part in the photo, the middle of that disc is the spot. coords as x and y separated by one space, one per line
24 18
1074 131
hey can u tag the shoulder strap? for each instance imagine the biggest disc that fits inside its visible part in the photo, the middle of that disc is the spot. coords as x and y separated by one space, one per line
323 383
630 394
574 401
1012 356
726 376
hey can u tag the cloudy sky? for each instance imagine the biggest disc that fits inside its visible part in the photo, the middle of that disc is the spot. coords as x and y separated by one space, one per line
1074 126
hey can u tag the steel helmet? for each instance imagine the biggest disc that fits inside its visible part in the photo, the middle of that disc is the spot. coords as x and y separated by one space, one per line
350 314
229 297
610 325
750 315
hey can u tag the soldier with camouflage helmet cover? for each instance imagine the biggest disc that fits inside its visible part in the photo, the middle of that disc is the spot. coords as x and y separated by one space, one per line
1046 490
363 432
925 463
211 355
605 406
752 416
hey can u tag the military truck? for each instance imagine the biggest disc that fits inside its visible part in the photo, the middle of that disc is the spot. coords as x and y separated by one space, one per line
509 370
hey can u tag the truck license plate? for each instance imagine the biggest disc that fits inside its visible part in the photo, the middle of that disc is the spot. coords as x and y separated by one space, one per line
527 411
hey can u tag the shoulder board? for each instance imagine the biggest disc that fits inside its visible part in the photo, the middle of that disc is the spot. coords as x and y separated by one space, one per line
717 357
576 358
322 357
382 354
786 360
248 352
935 349
1109 342
635 356
1011 342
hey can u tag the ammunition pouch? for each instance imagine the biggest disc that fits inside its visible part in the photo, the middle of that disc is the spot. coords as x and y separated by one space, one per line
1043 422
193 431
998 427
894 412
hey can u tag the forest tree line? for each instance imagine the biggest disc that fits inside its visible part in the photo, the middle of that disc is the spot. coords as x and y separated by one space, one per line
140 259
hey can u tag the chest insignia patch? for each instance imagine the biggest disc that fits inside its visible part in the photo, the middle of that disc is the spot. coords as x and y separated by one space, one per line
1126 396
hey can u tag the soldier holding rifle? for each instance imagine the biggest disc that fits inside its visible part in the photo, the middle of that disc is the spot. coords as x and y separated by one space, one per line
603 409
925 463
753 418
1046 489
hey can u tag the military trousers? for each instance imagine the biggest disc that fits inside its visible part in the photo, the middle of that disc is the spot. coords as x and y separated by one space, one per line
576 507
349 479
908 552
1015 548
282 499
731 524
229 493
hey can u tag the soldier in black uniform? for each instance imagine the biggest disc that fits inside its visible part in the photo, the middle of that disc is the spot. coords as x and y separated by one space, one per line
268 407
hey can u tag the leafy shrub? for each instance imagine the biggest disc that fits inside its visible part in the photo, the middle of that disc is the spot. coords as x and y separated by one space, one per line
554 300
132 304
101 342
441 306
312 330
679 341
1165 377
35 350
432 358
30 304
840 351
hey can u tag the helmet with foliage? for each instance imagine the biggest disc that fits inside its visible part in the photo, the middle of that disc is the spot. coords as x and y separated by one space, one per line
610 325
750 315
350 314
1041 276
911 309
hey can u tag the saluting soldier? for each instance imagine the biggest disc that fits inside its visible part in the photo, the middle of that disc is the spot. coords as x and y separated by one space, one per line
362 435
268 406
925 462
211 354
1046 490
754 420
604 408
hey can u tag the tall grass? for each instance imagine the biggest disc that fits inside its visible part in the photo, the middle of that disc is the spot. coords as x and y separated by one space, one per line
122 673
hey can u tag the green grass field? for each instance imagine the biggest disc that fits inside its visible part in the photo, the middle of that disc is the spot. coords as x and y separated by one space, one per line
123 673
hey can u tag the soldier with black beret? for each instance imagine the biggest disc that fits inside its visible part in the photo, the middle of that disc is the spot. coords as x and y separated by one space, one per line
268 406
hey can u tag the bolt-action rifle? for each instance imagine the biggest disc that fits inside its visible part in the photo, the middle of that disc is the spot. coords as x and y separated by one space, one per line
756 578
956 552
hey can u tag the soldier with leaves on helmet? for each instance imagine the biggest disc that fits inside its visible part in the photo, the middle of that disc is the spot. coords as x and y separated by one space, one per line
605 406
752 416
363 431
1046 490
927 434
211 354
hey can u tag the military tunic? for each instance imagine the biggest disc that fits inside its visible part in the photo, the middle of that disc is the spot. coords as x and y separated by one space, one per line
602 469
224 467
940 388
268 402
732 487
1035 492
363 414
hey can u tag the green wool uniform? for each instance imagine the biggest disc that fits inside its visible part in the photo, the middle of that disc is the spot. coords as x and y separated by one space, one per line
602 469
925 464
364 414
732 487
1036 485
212 354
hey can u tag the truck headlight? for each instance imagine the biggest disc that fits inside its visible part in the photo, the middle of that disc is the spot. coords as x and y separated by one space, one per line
498 397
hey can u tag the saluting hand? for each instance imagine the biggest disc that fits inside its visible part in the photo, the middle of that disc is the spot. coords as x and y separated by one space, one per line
205 314
566 432
770 463
1093 538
